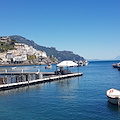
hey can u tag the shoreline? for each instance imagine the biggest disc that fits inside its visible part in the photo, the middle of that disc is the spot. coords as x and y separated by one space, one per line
4 65
25 64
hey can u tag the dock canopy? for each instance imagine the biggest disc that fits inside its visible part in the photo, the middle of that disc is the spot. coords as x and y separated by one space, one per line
67 64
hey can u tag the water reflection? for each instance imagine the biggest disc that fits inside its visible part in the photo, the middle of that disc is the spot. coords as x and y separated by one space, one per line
67 88
21 89
69 82
113 107
79 80
64 83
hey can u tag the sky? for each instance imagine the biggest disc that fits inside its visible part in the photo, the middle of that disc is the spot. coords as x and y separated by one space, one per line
90 28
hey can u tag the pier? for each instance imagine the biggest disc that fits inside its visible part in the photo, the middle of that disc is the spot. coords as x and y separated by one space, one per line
12 80
26 73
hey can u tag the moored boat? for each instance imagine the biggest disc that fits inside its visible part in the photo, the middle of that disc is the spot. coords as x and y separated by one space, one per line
82 63
49 66
113 96
85 63
14 68
116 65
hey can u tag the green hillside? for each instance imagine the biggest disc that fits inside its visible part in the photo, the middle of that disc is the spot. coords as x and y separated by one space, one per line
5 46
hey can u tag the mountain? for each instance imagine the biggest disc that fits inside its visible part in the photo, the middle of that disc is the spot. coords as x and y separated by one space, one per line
60 55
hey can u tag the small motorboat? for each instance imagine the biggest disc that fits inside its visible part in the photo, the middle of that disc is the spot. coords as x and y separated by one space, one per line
35 67
14 68
116 65
113 96
49 66
80 63
85 63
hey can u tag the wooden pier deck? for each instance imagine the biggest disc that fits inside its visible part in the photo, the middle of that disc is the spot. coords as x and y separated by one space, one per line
45 79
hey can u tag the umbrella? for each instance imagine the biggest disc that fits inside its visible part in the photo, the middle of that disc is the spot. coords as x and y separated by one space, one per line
67 64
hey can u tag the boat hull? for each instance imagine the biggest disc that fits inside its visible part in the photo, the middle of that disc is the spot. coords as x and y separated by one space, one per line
113 100
116 65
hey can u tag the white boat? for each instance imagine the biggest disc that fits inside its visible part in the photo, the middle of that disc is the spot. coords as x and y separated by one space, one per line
49 66
116 65
113 96
85 63
80 63
35 67
14 68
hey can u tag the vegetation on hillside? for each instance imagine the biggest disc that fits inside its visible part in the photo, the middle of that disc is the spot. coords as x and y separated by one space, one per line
31 57
5 46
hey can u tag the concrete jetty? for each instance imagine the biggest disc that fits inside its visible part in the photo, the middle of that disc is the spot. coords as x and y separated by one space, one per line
28 81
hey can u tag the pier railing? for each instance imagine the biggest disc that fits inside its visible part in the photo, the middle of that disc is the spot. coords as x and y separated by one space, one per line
10 80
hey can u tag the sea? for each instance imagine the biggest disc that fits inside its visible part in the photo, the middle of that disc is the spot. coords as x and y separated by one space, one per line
77 98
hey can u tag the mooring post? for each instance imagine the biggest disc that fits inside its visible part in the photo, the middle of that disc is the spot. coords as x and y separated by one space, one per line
118 101
28 79
22 71
78 66
5 70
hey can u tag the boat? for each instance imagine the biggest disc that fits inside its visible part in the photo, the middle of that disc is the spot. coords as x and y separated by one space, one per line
14 68
35 67
48 67
113 96
116 65
80 63
85 63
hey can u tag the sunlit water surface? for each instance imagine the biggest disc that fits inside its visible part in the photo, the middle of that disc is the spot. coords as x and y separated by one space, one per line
78 98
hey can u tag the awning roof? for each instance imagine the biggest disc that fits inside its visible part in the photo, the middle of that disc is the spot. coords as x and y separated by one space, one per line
67 64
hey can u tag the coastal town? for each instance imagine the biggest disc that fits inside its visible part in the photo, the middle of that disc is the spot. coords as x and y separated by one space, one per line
22 54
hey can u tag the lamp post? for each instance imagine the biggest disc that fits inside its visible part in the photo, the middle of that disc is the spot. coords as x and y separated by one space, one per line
78 66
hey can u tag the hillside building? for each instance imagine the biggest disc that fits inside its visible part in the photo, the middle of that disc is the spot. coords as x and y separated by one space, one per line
5 39
20 53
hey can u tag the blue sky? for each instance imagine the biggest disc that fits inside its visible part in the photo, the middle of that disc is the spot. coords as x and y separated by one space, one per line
90 28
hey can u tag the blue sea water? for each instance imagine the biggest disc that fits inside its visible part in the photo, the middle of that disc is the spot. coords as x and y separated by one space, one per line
78 98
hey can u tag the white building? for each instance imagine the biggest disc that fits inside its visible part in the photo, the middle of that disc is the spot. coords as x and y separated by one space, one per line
20 58
44 55
5 39
40 54
9 56
31 51
21 52
3 56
